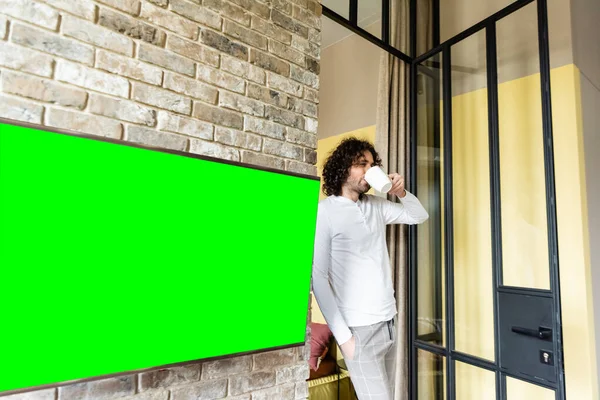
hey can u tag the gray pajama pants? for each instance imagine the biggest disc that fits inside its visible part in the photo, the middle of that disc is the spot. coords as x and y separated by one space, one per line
372 370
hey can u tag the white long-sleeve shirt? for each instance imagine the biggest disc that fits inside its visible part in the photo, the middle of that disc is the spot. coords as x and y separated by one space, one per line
352 277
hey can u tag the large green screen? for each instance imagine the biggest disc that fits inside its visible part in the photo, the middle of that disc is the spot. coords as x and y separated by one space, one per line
116 258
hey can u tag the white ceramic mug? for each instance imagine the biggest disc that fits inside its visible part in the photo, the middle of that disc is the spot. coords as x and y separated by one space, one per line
378 179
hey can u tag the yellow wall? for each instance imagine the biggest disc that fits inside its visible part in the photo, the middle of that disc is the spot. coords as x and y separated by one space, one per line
523 220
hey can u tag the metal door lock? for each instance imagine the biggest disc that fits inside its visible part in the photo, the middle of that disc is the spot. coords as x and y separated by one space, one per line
546 357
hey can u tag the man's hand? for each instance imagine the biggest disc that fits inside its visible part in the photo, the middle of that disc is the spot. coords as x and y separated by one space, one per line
397 185
348 348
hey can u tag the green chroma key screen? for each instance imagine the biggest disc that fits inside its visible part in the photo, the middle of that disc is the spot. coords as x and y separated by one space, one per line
116 258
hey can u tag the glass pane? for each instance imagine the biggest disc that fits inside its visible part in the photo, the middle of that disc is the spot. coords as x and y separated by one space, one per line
369 16
517 389
473 285
430 279
523 197
474 383
341 7
432 375
424 26
458 15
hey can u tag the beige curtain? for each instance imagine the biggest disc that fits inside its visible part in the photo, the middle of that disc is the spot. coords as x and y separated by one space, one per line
391 141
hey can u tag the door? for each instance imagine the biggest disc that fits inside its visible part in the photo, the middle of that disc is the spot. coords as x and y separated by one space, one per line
485 317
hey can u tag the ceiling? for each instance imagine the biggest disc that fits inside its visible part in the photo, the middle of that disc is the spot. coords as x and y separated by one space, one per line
369 12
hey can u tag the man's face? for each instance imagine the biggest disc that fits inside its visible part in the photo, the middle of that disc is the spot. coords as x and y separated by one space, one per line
356 178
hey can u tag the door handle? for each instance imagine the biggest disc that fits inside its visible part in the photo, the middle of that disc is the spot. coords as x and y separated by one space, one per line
541 333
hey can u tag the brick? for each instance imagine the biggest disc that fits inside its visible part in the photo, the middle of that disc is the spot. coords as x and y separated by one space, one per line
303 107
20 110
249 157
228 10
267 95
301 3
221 79
282 149
101 37
53 44
311 95
43 90
190 87
271 30
187 126
3 27
283 5
310 156
294 373
305 77
218 116
25 60
287 53
129 6
284 392
300 44
268 62
314 35
301 391
248 141
245 35
128 67
249 383
311 125
193 51
201 391
285 85
105 389
289 24
123 110
30 11
263 127
166 59
85 9
86 123
223 44
90 78
160 3
158 394
254 6
301 137
161 98
241 103
131 27
315 8
164 378
216 150
243 69
301 168
169 20
196 13
151 137
47 394
307 17
313 65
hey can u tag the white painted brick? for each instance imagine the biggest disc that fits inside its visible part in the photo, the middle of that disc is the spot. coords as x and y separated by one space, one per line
287 53
30 11
242 69
86 123
241 103
300 168
262 160
221 79
98 36
263 127
46 394
25 60
53 44
169 20
90 78
236 138
193 50
190 87
187 126
122 109
212 149
3 26
218 115
161 98
301 137
129 6
155 138
85 9
196 13
311 125
128 67
20 110
282 149
166 59
43 90
284 84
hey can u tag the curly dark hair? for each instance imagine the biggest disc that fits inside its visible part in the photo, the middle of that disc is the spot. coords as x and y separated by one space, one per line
337 166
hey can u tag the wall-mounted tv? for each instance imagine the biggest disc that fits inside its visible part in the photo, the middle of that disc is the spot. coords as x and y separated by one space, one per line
116 257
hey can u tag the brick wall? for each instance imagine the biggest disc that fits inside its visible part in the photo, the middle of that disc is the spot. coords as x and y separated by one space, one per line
233 79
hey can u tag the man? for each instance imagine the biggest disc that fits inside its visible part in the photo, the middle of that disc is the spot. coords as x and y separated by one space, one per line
352 279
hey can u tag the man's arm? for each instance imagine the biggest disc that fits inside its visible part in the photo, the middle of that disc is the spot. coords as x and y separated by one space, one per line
320 280
409 211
